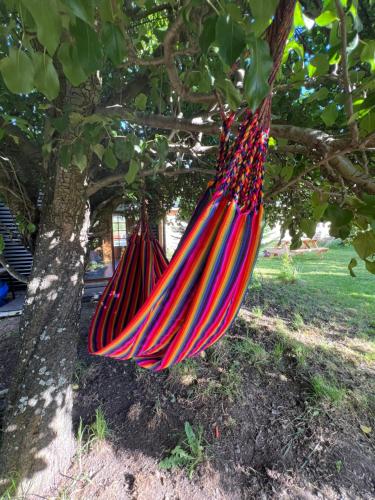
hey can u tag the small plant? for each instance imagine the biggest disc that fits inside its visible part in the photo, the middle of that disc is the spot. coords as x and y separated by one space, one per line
83 441
189 454
252 351
230 381
338 465
299 351
278 352
88 435
99 429
298 322
12 485
323 389
288 272
257 312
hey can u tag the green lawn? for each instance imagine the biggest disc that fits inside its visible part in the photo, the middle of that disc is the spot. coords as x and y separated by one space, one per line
324 291
323 319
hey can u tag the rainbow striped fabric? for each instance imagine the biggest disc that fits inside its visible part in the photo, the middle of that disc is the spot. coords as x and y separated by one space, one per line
158 314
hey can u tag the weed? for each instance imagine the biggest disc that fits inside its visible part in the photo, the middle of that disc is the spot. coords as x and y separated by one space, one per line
257 312
252 351
300 352
298 322
189 454
338 466
278 351
230 381
88 435
184 373
323 389
288 272
11 489
79 372
99 429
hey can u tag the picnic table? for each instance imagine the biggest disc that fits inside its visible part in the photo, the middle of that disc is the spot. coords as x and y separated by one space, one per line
309 245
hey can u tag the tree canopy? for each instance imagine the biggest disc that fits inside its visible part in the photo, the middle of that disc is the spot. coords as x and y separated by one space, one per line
166 71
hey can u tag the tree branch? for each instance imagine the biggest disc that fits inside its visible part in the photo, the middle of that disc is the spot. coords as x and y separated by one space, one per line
16 275
345 74
170 65
111 180
314 140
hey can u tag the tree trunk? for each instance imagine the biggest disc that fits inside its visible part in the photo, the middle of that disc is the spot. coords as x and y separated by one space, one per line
38 442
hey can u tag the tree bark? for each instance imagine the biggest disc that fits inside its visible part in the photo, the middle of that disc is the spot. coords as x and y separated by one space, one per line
38 441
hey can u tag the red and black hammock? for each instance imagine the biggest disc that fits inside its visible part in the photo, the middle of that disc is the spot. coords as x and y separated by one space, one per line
160 314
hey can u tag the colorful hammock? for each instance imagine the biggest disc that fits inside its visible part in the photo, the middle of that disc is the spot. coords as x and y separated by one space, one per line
160 315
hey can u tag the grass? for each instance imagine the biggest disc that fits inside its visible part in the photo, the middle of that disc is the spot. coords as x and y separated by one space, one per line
99 429
288 272
327 280
9 493
88 435
329 391
188 454
251 351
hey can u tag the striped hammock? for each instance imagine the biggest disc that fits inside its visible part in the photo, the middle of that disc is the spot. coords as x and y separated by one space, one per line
160 314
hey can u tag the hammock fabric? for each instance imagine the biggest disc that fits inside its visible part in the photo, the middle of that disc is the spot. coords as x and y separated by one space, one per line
160 315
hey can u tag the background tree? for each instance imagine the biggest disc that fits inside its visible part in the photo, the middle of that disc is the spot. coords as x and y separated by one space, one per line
97 95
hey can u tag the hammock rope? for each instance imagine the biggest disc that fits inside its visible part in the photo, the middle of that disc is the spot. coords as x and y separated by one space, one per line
160 314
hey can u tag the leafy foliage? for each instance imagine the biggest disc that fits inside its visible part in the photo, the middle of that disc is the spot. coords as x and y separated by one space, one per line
189 454
220 47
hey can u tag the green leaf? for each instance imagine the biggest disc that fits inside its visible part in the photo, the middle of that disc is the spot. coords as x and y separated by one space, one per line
330 114
319 65
48 22
89 49
83 9
368 53
367 124
294 46
232 95
301 20
109 10
287 172
208 34
353 263
262 13
80 160
191 437
18 72
319 95
230 39
256 85
124 149
46 79
338 216
2 244
327 17
131 174
68 56
110 159
318 210
140 101
308 226
370 266
113 43
98 149
65 156
364 244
